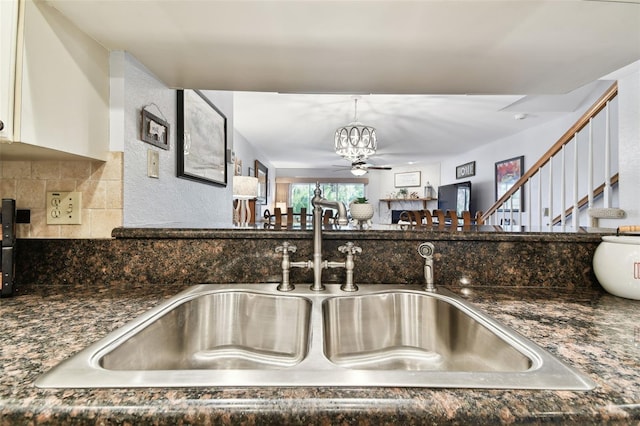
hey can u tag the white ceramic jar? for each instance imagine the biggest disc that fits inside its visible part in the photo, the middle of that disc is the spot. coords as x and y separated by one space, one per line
616 264
361 212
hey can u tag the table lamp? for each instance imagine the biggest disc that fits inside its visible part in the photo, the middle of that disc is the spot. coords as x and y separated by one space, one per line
245 188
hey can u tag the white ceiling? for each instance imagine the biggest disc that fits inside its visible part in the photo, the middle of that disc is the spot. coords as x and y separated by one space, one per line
297 131
497 51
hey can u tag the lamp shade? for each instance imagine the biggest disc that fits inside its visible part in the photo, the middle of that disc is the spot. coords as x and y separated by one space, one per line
245 187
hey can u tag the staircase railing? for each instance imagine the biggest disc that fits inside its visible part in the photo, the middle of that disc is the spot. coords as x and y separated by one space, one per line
505 213
584 201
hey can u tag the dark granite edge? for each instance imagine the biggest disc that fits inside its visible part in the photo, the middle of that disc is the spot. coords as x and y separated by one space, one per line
203 233
369 234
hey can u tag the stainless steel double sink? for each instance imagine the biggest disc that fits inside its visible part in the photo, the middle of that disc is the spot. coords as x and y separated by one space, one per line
254 335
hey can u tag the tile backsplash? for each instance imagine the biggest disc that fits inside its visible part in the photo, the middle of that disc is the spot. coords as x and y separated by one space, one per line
99 182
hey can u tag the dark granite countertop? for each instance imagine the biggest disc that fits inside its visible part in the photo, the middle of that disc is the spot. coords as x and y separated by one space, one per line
596 333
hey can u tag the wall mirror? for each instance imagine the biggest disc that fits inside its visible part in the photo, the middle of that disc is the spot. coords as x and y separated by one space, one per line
202 139
262 173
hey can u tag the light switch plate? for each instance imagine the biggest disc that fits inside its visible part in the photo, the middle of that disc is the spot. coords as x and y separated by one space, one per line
64 208
153 164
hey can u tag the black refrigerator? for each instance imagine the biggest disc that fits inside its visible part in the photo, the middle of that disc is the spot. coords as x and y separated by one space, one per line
8 259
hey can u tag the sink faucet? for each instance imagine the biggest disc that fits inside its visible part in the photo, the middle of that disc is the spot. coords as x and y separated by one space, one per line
318 202
317 263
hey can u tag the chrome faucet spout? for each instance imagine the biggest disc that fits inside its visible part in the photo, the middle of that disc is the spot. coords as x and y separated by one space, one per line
318 202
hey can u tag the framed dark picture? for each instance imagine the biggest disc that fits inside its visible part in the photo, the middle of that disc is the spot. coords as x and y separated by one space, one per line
202 139
508 172
466 170
154 130
262 173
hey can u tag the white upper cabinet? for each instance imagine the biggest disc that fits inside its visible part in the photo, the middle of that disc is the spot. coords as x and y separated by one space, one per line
56 103
8 45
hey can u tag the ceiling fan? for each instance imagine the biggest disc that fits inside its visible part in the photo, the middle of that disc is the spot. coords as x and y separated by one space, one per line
361 167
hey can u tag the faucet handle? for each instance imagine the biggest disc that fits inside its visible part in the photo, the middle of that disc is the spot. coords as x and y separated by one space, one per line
350 248
286 248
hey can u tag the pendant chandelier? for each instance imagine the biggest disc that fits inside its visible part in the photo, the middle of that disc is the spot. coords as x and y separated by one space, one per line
355 141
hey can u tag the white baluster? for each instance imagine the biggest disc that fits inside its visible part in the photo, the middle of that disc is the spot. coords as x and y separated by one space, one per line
590 165
563 189
511 213
576 212
529 209
541 213
607 159
550 193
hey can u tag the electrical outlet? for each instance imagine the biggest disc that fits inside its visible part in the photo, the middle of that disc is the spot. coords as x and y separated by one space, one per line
63 208
153 164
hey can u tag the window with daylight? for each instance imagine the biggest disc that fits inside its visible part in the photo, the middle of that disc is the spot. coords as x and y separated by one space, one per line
300 194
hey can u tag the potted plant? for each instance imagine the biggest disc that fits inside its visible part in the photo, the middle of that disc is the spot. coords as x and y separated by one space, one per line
361 210
403 193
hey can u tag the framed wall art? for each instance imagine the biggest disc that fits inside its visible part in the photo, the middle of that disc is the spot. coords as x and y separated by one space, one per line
466 170
402 180
154 130
202 139
508 172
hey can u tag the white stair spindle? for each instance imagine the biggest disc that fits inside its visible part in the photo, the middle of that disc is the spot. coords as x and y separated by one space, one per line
540 208
529 209
563 189
511 213
590 165
521 192
576 212
607 160
550 193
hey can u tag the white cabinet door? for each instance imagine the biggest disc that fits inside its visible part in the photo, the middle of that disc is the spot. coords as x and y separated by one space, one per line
8 47
55 85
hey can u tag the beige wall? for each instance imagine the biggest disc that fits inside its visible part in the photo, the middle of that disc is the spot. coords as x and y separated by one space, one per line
99 182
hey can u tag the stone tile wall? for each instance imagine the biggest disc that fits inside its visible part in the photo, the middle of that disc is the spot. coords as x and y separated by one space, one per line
99 182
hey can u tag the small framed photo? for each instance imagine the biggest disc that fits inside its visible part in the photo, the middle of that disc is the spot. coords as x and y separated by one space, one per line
466 170
402 180
154 130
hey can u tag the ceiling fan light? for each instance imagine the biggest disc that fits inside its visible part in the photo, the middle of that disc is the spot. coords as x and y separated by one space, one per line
358 172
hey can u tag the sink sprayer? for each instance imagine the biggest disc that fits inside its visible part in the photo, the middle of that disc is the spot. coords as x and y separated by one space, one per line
426 251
